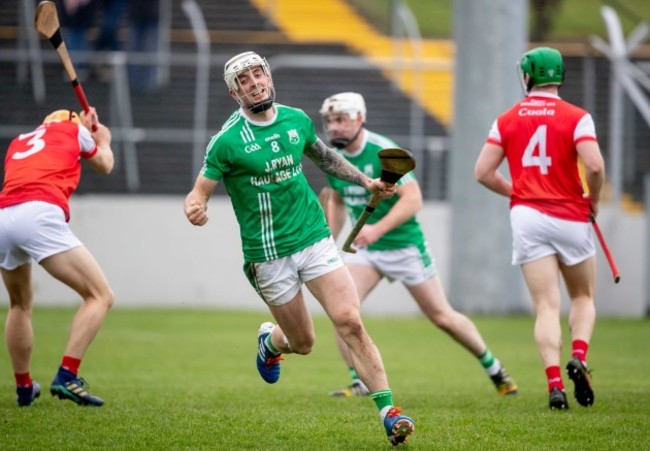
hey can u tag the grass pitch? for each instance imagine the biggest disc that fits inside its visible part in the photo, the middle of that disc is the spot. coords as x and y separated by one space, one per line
186 380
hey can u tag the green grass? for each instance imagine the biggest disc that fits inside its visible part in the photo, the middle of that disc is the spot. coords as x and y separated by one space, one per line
186 379
575 20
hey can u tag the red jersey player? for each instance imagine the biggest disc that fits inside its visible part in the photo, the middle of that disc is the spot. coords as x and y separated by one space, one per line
42 168
543 138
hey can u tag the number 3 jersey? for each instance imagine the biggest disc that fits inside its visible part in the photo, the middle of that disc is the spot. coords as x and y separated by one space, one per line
539 137
44 164
260 165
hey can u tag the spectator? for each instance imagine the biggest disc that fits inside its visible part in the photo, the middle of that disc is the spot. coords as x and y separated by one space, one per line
77 17
112 14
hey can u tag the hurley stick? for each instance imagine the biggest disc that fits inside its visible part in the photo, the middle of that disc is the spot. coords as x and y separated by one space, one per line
606 251
394 164
46 23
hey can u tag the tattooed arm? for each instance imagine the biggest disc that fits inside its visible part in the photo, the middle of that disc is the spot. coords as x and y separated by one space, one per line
330 162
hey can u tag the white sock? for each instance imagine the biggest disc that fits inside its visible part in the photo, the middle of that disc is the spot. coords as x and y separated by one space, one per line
494 368
383 412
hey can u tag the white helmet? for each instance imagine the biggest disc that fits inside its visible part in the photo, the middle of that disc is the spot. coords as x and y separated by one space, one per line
350 103
243 62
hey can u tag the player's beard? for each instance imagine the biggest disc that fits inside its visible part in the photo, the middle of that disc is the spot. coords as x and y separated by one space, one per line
260 105
342 142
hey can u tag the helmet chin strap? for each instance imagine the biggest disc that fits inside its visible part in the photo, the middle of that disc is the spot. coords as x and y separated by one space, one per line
261 106
342 143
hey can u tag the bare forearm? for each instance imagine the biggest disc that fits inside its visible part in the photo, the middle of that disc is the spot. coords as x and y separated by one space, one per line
594 167
403 210
595 183
103 161
497 183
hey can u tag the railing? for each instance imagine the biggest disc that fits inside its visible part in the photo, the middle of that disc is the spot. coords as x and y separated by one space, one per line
202 82
127 135
626 78
430 151
30 59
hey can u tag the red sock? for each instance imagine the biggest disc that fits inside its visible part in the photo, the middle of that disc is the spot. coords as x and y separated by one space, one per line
71 364
580 348
554 377
23 379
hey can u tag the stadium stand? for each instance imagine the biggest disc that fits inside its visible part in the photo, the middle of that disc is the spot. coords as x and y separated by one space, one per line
165 166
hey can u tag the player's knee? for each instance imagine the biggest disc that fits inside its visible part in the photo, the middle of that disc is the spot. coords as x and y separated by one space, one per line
19 307
583 298
109 298
350 327
303 346
443 320
104 298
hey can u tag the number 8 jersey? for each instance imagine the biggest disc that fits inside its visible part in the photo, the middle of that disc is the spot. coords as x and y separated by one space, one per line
539 137
44 164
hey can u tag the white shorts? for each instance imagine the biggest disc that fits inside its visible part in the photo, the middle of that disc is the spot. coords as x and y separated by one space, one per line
278 281
409 265
33 230
536 235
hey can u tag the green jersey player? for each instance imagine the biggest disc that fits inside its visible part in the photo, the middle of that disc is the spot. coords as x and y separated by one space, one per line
391 243
285 239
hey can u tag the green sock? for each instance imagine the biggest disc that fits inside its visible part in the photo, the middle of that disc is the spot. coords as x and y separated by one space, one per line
491 364
269 345
486 359
353 375
382 398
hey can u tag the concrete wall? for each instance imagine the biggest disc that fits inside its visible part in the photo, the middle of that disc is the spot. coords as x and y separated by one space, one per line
153 257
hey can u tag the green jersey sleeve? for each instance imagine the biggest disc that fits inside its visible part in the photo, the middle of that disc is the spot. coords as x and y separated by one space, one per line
216 161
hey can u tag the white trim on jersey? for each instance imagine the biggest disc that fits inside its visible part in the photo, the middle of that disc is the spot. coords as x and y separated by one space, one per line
494 133
246 133
86 141
266 216
232 120
585 128
379 140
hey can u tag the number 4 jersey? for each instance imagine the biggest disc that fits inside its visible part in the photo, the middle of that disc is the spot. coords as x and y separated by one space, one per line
539 137
44 164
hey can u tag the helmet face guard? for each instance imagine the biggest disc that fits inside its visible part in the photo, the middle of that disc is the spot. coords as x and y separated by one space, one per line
543 66
62 115
242 63
345 103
